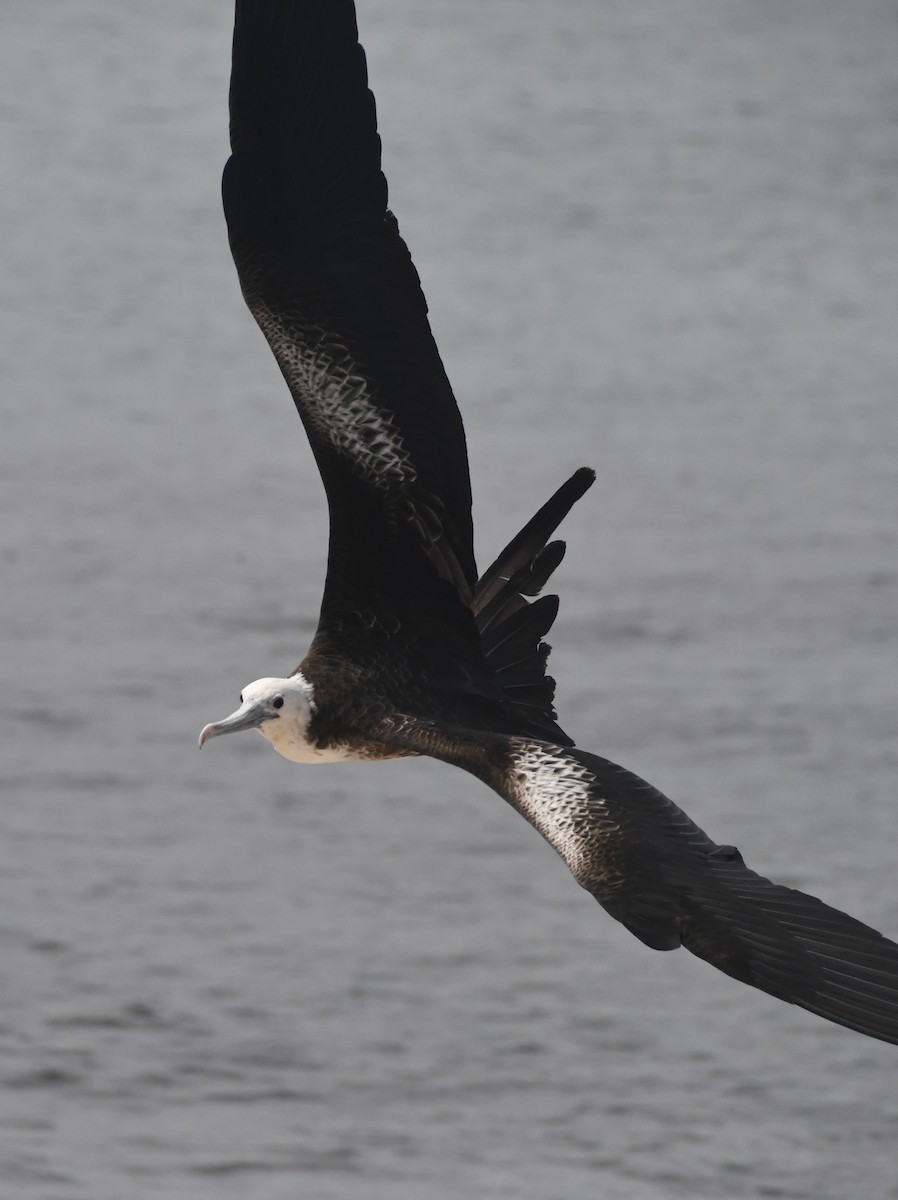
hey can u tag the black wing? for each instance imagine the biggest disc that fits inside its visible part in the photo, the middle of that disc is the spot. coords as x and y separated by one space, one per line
657 872
333 288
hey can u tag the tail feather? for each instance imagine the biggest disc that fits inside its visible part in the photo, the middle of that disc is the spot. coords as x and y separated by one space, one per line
511 627
521 550
542 567
529 581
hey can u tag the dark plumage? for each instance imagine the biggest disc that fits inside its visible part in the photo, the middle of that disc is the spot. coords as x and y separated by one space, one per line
414 654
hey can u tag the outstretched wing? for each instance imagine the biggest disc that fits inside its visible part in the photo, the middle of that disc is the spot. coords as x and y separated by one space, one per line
333 288
657 872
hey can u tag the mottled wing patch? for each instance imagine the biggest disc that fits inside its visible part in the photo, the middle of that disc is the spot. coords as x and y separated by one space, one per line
558 796
338 404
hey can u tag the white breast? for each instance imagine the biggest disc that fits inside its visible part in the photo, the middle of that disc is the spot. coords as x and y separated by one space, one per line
289 742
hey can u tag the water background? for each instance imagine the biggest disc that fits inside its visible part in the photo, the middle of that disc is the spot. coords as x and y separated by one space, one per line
659 237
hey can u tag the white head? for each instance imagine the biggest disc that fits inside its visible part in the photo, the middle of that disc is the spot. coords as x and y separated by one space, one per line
281 710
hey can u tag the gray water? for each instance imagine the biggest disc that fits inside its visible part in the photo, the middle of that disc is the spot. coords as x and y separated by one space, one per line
659 237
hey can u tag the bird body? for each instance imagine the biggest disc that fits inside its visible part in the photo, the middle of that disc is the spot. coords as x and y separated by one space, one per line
414 654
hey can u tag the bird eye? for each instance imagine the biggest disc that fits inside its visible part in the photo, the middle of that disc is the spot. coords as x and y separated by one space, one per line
277 702
241 697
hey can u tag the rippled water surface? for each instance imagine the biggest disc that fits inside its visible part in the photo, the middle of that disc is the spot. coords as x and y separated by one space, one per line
657 237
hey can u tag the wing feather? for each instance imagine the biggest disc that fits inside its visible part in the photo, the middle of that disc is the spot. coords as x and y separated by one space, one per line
653 869
331 284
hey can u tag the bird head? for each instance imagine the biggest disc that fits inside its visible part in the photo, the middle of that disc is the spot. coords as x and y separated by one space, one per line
281 710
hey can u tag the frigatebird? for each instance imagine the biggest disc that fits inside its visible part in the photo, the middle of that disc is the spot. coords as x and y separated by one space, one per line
415 654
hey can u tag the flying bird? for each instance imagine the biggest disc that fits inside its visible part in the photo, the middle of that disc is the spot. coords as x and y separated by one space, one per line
415 654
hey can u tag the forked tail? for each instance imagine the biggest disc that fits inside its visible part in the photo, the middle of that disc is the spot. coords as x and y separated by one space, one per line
512 627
